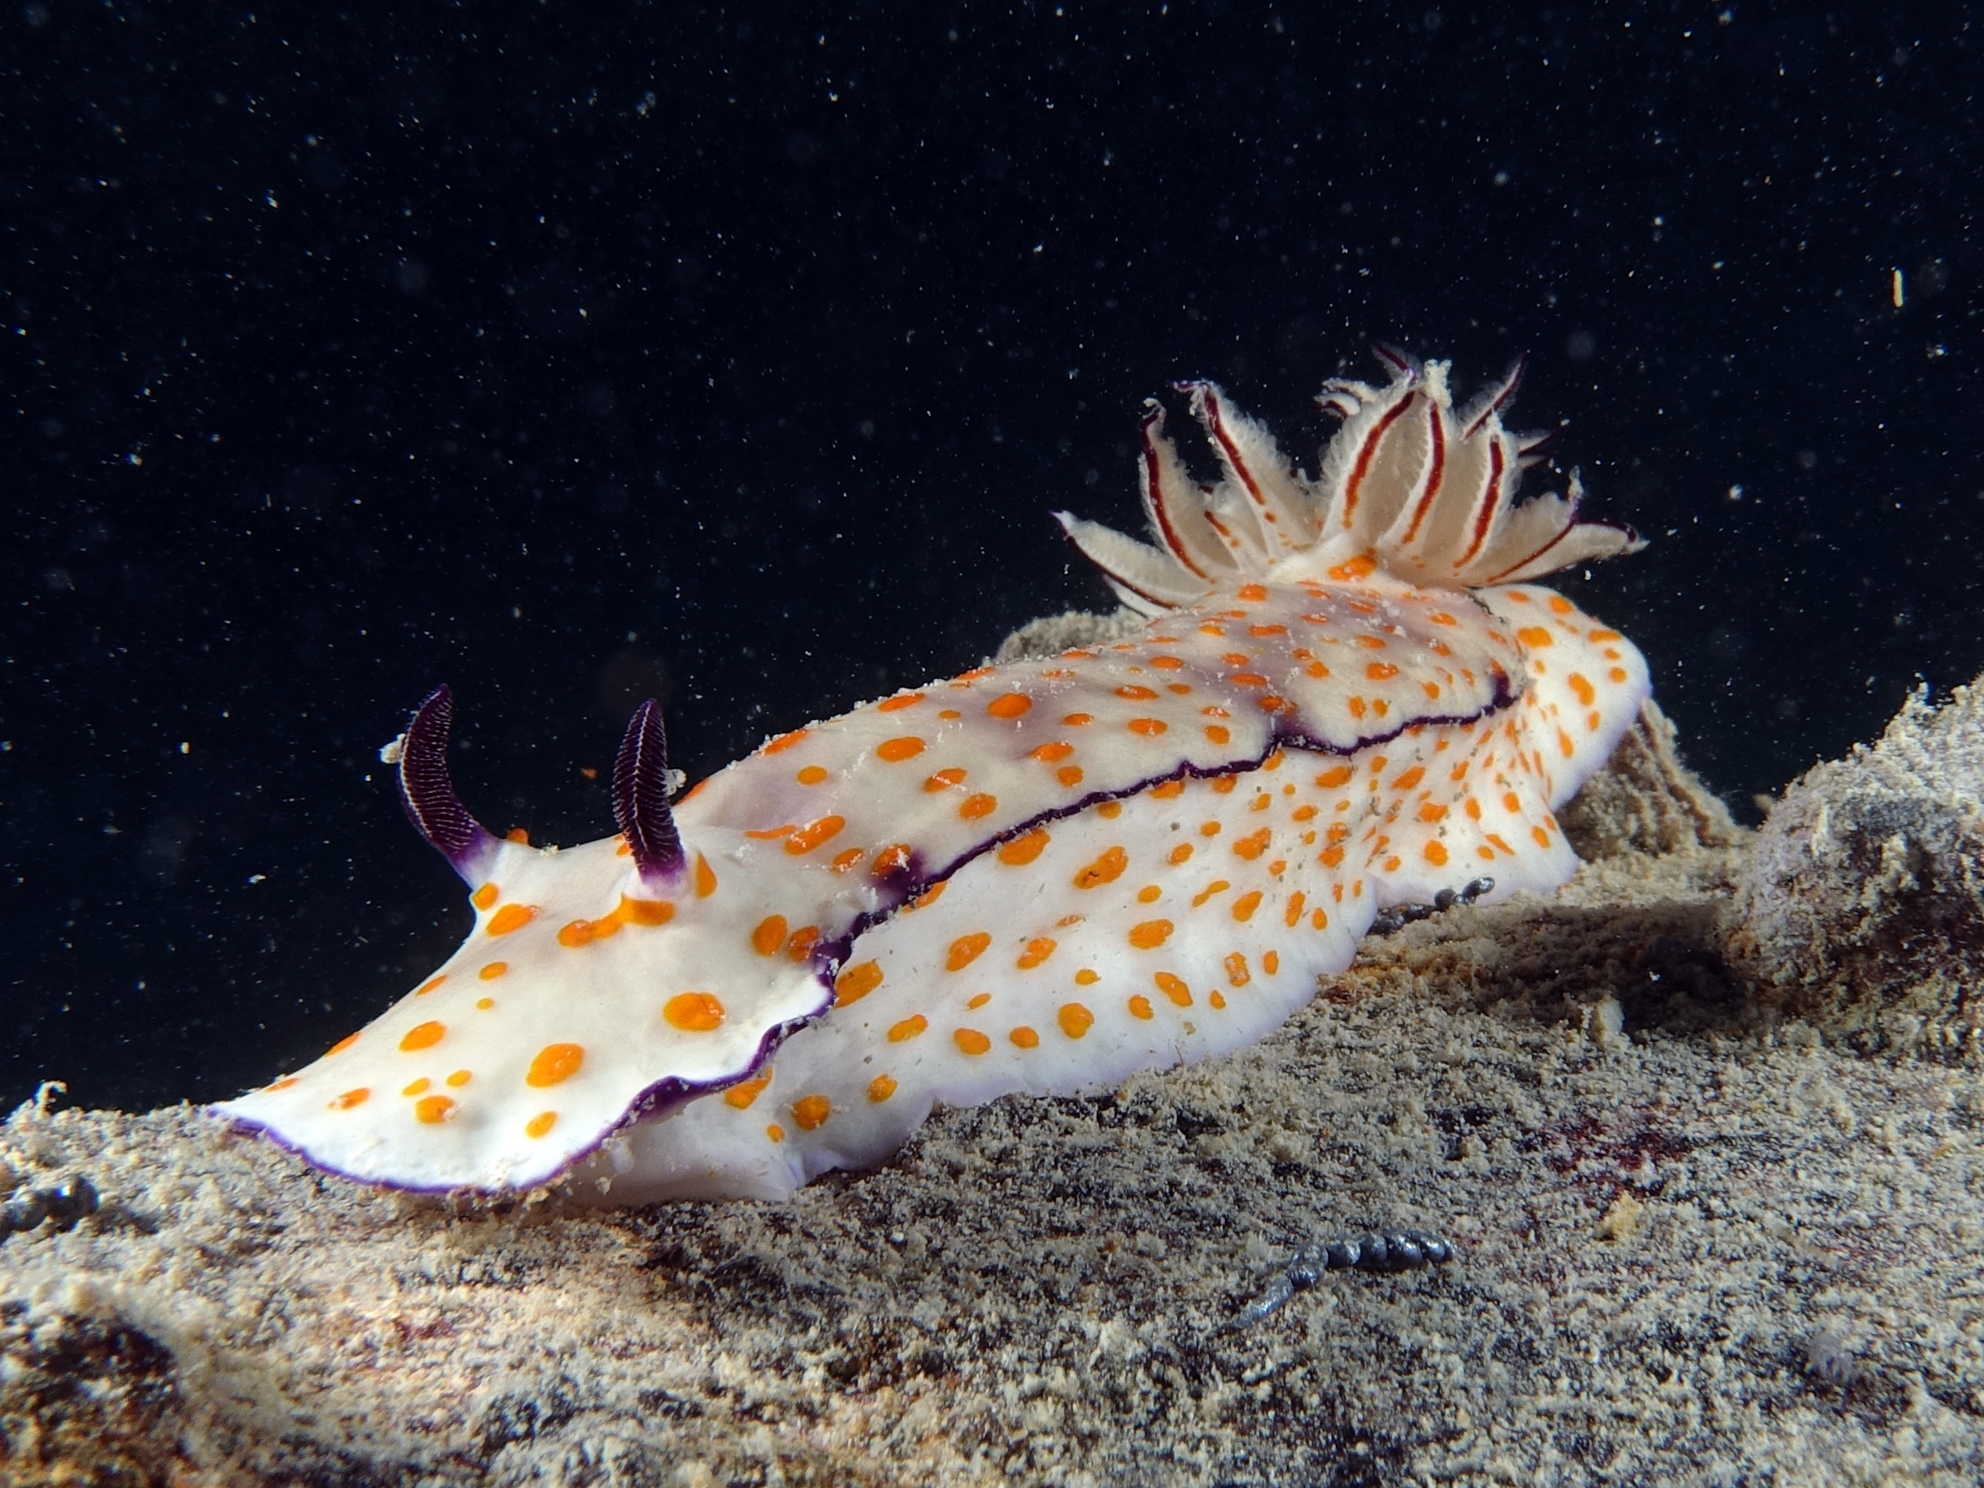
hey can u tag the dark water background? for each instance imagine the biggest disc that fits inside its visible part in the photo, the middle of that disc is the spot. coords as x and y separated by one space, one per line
569 353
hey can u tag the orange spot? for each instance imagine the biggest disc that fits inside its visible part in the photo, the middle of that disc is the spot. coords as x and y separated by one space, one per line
769 935
1335 776
908 1029
1086 978
1218 734
1303 813
486 1003
842 861
1209 829
895 751
1581 685
1358 707
857 982
283 1084
349 1099
1151 934
418 1086
1381 671
1150 728
423 1036
1023 850
766 834
800 946
692 1012
775 1132
1217 886
1110 810
1075 1020
971 1041
554 1064
1246 904
1010 705
1249 679
973 807
1294 911
930 895
341 1045
1407 779
460 1078
811 775
892 859
1025 1037
811 1111
966 949
881 1088
1564 744
1535 637
540 1124
1105 869
1253 592
1225 784
1036 952
1069 774
1168 789
813 834
784 741
1077 720
944 780
511 917
485 896
428 986
974 674
1237 974
1253 844
433 1109
742 1095
1436 854
706 876
645 911
1496 840
897 704
1179 854
577 933
1542 837
949 713
1060 749
1432 811
1173 988
1140 1007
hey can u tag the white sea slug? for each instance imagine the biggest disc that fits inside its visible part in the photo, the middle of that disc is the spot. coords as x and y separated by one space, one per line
1037 877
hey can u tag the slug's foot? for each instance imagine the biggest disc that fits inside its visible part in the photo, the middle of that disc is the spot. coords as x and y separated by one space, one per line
1396 1250
1401 915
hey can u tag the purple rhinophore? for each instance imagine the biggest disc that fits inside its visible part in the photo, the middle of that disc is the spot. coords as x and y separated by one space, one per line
640 796
429 795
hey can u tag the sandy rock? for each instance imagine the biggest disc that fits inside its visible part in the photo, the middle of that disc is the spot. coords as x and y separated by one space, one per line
1862 906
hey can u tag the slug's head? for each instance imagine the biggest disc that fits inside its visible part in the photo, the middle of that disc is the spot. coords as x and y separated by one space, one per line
599 984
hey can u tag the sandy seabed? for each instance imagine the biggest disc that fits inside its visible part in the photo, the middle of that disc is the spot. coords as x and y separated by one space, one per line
1716 1223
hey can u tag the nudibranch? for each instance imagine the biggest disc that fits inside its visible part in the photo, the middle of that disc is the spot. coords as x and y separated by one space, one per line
1038 877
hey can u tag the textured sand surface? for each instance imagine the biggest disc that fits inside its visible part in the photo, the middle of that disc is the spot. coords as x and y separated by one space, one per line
1700 1241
